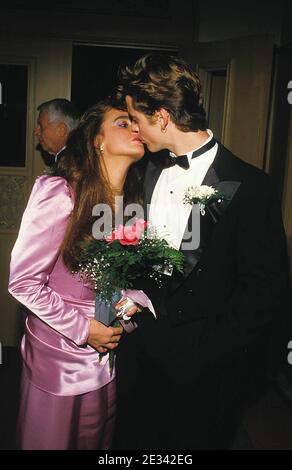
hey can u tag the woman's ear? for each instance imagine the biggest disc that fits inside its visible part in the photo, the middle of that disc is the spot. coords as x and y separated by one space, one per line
97 142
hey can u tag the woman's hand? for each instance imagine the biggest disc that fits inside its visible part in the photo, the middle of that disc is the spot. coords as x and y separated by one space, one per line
103 338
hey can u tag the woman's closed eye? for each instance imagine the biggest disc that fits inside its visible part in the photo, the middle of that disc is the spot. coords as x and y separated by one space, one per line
123 123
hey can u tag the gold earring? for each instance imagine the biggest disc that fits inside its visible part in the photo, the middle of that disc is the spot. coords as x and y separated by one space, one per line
101 148
163 129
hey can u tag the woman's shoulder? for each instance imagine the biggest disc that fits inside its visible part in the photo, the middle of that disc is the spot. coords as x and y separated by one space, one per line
48 181
51 191
52 186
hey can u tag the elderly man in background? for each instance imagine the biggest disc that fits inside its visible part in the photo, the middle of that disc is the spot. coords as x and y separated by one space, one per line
56 119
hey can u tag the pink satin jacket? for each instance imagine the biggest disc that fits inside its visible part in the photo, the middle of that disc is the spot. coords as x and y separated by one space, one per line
54 350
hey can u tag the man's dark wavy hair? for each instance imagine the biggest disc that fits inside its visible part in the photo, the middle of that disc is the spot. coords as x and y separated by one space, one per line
158 81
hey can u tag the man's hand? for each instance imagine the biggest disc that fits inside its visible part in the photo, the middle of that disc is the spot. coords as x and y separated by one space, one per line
103 338
132 310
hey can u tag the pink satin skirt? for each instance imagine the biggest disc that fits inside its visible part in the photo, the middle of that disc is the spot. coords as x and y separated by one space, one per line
51 422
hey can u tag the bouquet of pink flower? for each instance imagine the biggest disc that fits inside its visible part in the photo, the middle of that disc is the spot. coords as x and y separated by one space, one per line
117 261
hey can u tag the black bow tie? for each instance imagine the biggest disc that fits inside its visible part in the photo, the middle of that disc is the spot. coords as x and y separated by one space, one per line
183 160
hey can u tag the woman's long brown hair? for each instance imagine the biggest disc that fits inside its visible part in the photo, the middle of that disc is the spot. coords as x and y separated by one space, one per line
80 166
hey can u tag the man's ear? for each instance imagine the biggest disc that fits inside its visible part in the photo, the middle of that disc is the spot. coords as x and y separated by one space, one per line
62 129
163 117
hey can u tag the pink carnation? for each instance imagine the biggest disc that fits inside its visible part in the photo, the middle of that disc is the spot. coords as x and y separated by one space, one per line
128 234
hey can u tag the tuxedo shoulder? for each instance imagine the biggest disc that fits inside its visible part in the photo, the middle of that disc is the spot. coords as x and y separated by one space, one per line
249 175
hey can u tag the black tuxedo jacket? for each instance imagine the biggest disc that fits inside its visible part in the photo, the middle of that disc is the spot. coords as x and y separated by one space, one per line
234 287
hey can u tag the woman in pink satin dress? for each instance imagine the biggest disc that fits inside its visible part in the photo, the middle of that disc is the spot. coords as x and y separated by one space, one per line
67 392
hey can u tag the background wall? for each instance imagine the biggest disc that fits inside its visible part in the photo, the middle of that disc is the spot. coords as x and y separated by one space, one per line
225 19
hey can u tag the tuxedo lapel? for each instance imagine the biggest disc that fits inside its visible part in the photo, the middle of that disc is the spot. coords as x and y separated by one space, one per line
214 177
211 177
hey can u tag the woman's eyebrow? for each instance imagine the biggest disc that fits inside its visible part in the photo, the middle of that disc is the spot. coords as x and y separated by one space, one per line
123 116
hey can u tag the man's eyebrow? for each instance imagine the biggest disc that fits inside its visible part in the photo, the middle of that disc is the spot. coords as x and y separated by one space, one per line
132 117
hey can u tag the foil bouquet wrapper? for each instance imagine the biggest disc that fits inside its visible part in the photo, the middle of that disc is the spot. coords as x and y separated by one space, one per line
106 313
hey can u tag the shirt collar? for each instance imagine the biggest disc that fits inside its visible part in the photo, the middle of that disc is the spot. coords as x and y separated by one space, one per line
58 153
190 153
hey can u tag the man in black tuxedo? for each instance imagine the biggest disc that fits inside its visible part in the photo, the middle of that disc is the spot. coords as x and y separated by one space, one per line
180 376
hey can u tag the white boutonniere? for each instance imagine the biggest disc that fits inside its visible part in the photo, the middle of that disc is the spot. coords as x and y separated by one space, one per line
202 195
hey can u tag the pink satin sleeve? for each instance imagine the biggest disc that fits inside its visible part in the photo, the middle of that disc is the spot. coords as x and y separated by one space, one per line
35 253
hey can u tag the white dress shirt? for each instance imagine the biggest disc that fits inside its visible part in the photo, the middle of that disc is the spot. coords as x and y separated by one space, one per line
58 153
167 214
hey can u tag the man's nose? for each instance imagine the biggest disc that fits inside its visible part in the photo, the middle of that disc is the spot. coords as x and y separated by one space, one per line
134 127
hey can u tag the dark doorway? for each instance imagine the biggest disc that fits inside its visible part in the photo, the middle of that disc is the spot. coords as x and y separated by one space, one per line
13 107
94 70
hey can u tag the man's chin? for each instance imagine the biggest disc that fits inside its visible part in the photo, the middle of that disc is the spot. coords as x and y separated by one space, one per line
42 148
153 148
